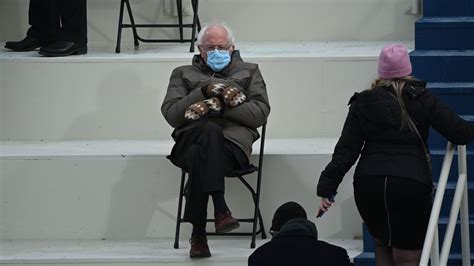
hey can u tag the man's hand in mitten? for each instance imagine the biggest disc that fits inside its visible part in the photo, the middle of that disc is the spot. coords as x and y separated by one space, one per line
211 107
213 90
233 96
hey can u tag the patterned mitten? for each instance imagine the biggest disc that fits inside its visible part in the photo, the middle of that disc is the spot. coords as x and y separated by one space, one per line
213 90
233 96
198 110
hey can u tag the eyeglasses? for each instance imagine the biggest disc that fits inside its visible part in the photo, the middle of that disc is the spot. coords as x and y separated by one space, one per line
209 48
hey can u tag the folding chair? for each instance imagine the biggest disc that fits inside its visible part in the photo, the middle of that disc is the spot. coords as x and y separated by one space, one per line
257 217
180 25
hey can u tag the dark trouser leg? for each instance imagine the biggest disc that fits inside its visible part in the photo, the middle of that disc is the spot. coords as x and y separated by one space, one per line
73 21
206 156
44 20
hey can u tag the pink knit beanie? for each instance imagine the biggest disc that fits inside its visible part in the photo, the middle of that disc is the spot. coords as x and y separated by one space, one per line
394 62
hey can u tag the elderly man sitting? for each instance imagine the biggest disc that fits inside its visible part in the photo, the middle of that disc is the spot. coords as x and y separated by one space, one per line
215 106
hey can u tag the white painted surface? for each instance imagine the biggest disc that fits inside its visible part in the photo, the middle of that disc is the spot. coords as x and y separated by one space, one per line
140 148
158 251
252 20
107 96
136 197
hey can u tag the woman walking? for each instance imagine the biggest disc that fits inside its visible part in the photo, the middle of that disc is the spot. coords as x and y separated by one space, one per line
388 126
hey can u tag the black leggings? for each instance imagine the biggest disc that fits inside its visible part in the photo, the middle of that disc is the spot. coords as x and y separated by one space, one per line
396 210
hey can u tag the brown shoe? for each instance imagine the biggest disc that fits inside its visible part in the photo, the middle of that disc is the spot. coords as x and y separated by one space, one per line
199 247
224 222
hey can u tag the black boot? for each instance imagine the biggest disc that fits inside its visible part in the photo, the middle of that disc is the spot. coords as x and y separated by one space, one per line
27 44
63 48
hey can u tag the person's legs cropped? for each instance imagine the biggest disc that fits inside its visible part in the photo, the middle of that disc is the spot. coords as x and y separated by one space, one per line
43 17
72 35
204 153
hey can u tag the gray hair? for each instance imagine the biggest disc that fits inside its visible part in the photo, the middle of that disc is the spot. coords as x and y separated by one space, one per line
230 34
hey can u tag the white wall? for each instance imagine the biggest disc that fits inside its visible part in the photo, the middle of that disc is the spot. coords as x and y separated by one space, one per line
136 198
252 20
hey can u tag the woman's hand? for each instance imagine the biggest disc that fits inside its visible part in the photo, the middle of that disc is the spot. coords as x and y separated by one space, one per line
324 206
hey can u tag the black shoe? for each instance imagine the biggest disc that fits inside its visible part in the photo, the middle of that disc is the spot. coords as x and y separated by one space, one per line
63 48
27 44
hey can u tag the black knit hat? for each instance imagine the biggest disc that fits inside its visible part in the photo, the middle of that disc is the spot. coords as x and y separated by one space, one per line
286 212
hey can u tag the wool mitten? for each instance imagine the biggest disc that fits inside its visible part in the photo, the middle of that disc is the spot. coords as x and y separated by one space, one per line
211 106
232 96
213 90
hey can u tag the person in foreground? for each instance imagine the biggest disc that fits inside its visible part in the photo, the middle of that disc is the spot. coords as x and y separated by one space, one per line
215 106
295 242
388 126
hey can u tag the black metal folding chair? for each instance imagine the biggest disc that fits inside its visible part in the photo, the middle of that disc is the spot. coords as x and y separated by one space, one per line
257 217
196 25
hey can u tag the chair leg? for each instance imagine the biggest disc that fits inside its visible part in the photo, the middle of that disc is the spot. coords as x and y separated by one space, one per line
180 206
257 207
119 32
262 227
179 4
195 4
132 21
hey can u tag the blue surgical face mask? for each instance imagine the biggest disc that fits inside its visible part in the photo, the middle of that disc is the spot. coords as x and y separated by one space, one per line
218 59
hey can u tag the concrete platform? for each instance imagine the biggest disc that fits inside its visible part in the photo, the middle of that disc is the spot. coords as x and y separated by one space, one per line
225 251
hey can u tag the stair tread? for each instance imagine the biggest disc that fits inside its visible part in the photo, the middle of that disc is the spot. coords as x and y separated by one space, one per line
116 148
445 22
452 87
451 185
443 53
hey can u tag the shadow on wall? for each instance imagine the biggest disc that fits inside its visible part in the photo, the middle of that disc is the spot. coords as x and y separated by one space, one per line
139 200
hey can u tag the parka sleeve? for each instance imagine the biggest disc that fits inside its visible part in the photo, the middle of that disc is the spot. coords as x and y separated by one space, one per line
252 113
177 99
447 122
345 154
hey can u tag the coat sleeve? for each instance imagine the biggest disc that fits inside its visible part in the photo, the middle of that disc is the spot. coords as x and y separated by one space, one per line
178 98
252 113
252 260
447 122
345 154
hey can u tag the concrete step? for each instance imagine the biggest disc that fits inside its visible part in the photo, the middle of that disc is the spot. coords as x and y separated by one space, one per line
443 65
129 190
283 20
368 259
453 8
455 94
449 195
225 251
103 95
437 157
369 244
444 33
436 141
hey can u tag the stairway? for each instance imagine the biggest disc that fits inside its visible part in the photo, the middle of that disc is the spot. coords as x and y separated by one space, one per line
444 57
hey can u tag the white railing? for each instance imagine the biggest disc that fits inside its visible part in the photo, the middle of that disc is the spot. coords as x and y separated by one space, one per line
460 199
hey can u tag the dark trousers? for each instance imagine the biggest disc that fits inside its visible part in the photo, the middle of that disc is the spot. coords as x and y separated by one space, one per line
204 153
58 20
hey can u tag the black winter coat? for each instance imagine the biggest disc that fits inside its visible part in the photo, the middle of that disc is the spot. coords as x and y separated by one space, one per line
297 244
373 130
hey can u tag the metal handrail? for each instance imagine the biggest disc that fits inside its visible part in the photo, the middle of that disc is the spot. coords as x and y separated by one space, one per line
431 244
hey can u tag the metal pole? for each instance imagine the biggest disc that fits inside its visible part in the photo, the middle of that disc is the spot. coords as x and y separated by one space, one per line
453 217
466 251
438 200
435 249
